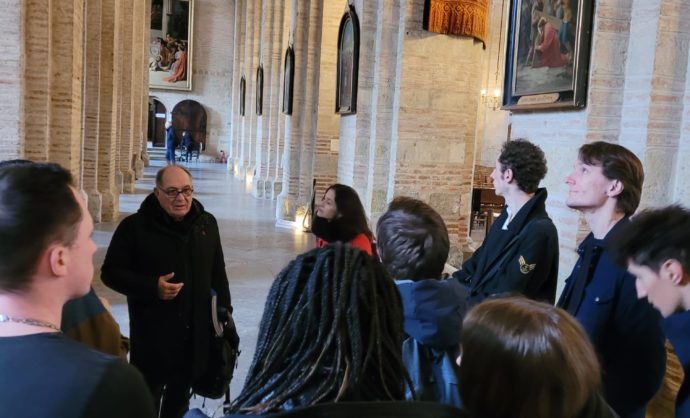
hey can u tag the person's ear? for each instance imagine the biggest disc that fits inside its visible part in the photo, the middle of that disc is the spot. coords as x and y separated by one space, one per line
508 175
671 269
58 258
615 188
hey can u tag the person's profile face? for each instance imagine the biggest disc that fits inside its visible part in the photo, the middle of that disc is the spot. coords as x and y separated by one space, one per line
327 208
657 287
497 178
587 187
81 251
175 193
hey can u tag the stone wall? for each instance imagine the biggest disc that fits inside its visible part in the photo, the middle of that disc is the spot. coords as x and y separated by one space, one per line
63 92
213 49
638 97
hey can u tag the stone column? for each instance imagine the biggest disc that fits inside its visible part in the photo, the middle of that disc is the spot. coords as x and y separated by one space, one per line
273 184
65 79
249 72
298 154
15 44
125 55
263 122
139 91
36 94
238 64
654 89
92 51
108 111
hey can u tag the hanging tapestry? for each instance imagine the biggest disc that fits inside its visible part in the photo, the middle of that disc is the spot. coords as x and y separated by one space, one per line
458 17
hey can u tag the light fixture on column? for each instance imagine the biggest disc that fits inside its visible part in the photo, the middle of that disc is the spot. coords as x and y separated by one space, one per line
494 100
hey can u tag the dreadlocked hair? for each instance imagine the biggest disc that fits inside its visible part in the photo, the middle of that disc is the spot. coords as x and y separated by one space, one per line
332 330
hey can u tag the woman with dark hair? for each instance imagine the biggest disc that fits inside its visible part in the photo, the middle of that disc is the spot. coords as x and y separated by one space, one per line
340 217
526 359
332 331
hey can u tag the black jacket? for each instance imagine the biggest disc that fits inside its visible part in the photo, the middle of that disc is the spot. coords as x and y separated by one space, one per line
168 336
523 259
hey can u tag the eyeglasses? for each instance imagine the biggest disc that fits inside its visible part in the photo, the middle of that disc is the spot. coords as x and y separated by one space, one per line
172 192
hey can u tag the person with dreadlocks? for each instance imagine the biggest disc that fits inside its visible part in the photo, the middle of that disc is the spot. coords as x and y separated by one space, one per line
340 217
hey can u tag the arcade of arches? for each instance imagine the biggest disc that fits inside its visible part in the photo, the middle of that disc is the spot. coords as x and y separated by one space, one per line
75 91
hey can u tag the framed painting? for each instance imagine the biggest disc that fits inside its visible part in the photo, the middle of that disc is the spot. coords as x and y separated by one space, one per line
348 62
288 79
259 90
547 54
170 49
243 93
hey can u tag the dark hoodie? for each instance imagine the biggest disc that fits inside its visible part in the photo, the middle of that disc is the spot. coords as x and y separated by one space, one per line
433 312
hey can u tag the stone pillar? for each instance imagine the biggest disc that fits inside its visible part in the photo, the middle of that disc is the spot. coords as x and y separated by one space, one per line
249 72
108 111
273 184
436 164
125 56
328 126
298 154
65 80
14 46
263 121
253 59
36 78
139 91
238 64
92 51
654 89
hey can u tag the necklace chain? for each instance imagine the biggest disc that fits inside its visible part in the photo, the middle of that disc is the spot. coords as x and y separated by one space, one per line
29 321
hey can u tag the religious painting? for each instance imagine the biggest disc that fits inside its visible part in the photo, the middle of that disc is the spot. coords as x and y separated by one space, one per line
170 48
348 61
259 90
547 54
288 80
243 93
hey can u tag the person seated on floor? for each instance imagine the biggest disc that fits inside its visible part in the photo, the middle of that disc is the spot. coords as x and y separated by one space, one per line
46 255
413 245
340 217
655 248
526 359
331 332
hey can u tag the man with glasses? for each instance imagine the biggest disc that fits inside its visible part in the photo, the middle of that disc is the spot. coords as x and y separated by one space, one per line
166 258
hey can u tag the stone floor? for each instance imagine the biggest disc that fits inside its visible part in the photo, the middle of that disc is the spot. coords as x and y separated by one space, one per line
255 250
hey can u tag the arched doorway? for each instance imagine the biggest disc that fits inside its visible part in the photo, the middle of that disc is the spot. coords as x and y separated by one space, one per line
157 115
190 116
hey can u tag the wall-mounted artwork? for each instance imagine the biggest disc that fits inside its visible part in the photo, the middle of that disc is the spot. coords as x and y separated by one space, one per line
288 80
348 61
243 93
170 49
259 90
547 54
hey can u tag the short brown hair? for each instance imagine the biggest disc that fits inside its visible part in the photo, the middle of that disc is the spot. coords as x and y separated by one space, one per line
617 163
522 358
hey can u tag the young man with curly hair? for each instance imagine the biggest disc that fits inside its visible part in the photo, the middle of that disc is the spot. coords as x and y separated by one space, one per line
520 253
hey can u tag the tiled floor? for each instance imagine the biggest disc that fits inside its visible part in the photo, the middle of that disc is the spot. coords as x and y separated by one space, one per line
255 250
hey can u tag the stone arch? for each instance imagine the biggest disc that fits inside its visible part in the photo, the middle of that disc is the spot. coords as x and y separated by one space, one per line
158 114
190 116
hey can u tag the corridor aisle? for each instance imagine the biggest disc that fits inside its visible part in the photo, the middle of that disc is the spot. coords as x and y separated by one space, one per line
255 250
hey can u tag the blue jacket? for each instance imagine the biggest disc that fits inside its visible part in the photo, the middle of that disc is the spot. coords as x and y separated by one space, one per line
625 331
677 328
433 311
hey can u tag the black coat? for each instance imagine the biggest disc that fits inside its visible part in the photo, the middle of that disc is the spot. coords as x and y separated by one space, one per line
168 337
523 259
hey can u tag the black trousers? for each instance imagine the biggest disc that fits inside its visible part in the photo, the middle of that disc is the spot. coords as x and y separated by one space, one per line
171 398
